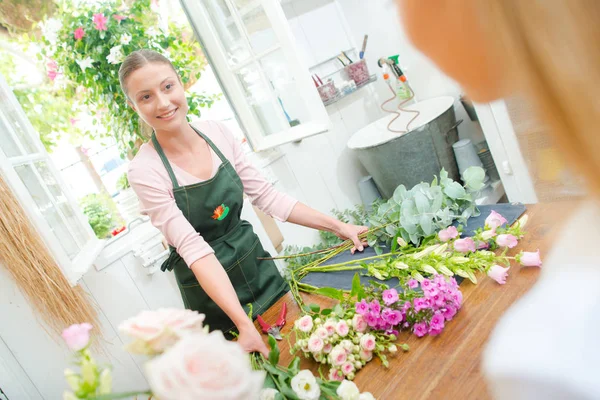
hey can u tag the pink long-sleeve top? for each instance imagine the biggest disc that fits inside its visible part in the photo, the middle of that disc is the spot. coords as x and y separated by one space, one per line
150 181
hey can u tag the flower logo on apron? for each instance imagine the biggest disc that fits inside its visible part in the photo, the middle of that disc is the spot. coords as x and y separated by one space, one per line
220 212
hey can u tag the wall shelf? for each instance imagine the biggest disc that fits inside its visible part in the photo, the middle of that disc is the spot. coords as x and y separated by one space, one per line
342 95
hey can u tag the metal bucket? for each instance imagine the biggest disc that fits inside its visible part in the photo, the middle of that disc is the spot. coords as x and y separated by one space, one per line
393 159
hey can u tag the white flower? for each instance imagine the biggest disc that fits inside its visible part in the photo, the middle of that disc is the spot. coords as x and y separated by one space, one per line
50 30
125 39
204 367
87 63
152 32
267 394
116 55
348 390
366 396
315 344
305 324
305 385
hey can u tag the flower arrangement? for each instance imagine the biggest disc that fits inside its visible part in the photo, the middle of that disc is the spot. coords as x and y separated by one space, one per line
187 362
82 51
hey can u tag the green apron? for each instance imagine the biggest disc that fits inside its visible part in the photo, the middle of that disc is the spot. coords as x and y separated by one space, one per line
213 208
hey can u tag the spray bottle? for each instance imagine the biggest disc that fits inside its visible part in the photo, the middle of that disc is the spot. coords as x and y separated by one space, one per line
402 88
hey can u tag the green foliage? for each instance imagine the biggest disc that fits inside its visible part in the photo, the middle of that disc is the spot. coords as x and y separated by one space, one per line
123 182
96 85
426 208
98 212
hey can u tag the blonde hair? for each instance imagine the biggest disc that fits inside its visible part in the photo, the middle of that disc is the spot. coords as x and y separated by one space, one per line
550 49
137 60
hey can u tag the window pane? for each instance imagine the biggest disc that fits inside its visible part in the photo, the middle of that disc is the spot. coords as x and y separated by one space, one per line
274 66
259 30
58 195
259 97
231 38
47 209
18 126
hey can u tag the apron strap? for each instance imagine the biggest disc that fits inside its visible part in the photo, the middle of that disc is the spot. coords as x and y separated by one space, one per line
165 161
212 146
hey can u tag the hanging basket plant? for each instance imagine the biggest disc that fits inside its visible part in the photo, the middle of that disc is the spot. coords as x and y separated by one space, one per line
83 48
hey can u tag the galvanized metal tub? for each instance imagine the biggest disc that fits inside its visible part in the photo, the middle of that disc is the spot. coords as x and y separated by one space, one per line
410 158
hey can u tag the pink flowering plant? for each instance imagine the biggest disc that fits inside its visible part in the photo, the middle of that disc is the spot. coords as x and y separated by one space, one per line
82 49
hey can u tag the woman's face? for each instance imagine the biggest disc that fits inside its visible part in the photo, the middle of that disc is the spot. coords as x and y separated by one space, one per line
157 95
449 32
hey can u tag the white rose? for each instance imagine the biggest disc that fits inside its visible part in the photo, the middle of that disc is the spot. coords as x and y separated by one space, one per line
366 396
204 367
267 394
305 386
155 331
348 390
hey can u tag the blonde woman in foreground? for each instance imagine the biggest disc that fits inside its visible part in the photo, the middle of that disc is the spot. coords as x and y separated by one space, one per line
547 345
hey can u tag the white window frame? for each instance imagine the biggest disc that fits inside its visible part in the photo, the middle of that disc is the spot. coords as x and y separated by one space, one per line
319 121
504 146
73 269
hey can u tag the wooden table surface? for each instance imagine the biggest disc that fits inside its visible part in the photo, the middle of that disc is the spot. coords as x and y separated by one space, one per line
448 366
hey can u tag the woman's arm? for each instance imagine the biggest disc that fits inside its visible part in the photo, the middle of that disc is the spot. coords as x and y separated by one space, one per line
303 215
214 280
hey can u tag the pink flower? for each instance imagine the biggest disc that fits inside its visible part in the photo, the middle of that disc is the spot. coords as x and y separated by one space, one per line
347 368
498 273
305 324
119 18
437 322
434 332
155 331
413 283
100 22
367 342
362 307
336 375
330 326
394 317
358 323
327 348
77 336
79 33
420 329
52 75
449 313
529 259
375 306
52 65
322 332
73 121
509 241
458 298
420 304
338 355
372 320
342 328
426 284
482 245
194 368
365 355
315 344
449 233
464 245
390 296
494 220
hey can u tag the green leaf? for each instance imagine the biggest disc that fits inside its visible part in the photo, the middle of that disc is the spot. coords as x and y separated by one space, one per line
273 370
314 307
326 311
274 353
391 230
454 190
338 310
378 250
357 289
422 203
331 292
294 366
395 242
399 194
306 308
473 178
427 224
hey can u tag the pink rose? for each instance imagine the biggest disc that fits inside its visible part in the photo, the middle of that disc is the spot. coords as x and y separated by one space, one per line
449 233
509 241
327 348
155 331
367 342
77 336
498 273
336 375
322 332
342 328
529 259
204 367
365 355
494 220
358 323
315 344
100 22
347 368
79 33
305 324
465 245
338 355
330 326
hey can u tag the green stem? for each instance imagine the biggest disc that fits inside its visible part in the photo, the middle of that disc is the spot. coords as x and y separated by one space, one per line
120 395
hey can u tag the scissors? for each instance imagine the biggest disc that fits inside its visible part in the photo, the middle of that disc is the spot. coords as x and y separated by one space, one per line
274 330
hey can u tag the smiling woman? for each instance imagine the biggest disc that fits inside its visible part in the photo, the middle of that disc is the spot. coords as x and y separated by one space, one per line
190 180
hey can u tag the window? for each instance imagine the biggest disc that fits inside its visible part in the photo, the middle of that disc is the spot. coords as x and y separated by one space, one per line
252 51
27 168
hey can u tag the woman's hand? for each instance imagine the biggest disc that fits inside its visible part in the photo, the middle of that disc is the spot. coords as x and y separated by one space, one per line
349 231
251 340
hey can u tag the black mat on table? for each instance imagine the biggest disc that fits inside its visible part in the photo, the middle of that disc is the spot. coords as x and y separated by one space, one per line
343 279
